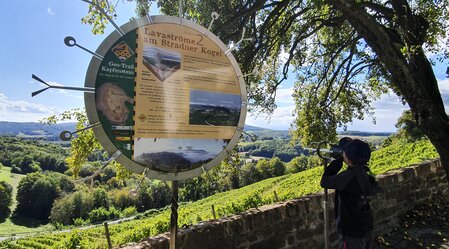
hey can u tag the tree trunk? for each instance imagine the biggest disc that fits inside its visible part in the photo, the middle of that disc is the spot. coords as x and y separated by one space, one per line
412 77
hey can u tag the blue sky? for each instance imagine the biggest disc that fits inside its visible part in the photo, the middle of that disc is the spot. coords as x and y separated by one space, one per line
32 34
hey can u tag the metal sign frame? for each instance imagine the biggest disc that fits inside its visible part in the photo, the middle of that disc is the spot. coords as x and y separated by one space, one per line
91 109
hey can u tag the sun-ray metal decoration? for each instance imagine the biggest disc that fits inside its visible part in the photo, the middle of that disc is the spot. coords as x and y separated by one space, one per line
84 89
70 42
67 135
165 97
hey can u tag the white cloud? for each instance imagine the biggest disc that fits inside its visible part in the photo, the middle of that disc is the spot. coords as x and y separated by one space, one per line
281 119
23 111
443 85
52 83
284 96
50 11
63 92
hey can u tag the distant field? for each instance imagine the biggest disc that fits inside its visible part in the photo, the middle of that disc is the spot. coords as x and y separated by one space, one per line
11 178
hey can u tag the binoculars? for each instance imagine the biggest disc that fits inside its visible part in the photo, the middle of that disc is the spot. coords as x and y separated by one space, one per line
336 151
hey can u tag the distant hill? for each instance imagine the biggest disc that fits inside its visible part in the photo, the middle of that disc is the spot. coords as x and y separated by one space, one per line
35 130
365 133
51 132
266 134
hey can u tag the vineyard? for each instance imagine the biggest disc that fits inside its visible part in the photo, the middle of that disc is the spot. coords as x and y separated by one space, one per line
226 203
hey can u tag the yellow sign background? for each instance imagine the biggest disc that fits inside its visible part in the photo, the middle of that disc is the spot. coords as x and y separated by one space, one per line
173 60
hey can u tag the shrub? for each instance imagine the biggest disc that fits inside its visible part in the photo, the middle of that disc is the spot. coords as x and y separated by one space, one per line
121 199
5 197
76 205
103 214
249 174
16 170
100 198
157 195
37 192
129 211
277 167
263 166
99 214
114 213
80 222
83 203
62 211
297 164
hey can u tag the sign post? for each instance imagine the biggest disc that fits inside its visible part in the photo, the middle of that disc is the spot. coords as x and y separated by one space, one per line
174 215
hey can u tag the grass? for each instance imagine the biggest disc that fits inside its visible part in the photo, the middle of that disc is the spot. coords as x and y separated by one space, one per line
12 179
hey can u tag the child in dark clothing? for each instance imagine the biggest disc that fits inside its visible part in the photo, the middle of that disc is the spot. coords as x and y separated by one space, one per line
352 186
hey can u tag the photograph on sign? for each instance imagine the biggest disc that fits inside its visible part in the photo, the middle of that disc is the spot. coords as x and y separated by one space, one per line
212 108
176 154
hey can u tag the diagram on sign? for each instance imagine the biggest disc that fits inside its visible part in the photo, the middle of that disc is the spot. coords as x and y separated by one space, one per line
161 62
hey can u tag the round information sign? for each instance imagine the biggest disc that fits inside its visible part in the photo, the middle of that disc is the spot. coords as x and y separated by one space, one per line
168 97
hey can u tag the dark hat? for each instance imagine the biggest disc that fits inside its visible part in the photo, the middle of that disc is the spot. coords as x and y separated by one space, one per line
343 141
358 151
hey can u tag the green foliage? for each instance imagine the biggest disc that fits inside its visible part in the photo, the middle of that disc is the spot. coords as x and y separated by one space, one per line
121 199
96 18
85 144
238 200
73 241
273 167
407 128
400 154
100 198
5 198
263 167
269 148
297 164
249 174
277 167
86 206
99 214
129 211
153 194
37 192
103 214
27 156
70 207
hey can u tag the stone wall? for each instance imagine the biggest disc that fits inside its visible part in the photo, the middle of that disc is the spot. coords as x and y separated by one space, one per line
299 223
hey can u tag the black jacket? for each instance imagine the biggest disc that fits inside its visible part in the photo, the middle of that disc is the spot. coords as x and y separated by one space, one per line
352 186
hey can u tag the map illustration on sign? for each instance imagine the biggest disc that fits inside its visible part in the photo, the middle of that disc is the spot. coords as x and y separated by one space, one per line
161 62
111 102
